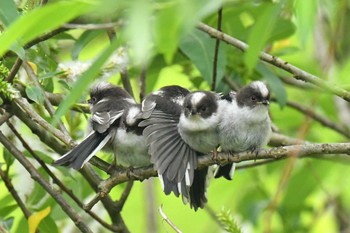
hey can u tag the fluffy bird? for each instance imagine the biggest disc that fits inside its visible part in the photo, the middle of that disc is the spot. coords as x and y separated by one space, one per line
246 124
114 127
179 127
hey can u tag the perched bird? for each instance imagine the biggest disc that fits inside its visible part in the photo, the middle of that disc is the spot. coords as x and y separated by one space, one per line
113 126
179 126
245 124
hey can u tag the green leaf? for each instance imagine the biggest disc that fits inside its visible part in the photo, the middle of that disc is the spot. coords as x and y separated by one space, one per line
168 26
305 17
260 32
139 30
8 11
8 157
35 94
275 84
83 40
41 20
6 210
81 85
199 47
48 225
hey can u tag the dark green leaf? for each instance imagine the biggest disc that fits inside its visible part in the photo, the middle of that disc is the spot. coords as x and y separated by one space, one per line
35 94
83 40
8 157
275 84
6 210
8 11
199 47
48 225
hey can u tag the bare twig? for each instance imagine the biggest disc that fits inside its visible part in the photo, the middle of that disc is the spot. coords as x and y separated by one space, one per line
14 70
92 26
120 203
126 82
11 189
297 73
143 83
47 103
27 108
216 51
45 37
167 220
4 116
38 178
321 119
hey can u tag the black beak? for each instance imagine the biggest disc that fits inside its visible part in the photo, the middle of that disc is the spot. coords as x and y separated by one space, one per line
89 101
265 102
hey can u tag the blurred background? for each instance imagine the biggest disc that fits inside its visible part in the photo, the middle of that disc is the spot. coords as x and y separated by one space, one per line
150 44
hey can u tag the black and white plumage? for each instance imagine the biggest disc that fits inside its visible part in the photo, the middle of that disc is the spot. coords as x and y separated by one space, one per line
113 127
246 124
169 114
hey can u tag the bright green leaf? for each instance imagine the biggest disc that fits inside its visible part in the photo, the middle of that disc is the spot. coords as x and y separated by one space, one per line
41 20
83 40
199 47
48 225
8 11
8 157
83 82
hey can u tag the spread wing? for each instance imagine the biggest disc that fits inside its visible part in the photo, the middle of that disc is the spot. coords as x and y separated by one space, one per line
174 160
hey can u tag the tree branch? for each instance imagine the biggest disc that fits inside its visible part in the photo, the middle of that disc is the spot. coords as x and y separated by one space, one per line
297 73
216 51
38 178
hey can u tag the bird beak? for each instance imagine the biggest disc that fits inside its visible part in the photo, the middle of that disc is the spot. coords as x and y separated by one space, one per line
89 101
265 102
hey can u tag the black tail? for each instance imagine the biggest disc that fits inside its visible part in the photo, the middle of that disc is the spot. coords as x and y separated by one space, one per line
198 189
79 155
225 171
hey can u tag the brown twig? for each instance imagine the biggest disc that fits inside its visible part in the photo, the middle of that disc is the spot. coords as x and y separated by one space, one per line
216 51
143 83
38 178
120 203
167 220
126 82
14 70
297 73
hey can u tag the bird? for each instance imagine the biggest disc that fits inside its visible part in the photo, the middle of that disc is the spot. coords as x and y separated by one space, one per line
246 124
114 127
178 128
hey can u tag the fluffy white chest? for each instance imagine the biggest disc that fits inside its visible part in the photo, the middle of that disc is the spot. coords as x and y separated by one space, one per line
130 149
200 134
242 129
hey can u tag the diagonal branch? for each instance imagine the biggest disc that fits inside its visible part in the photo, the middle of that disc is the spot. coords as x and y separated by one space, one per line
297 73
76 218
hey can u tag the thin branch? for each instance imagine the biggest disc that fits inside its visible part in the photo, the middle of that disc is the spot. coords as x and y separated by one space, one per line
27 108
343 130
126 82
167 220
311 150
143 83
47 103
297 73
93 26
14 70
120 203
5 116
216 51
12 190
45 37
38 178
56 180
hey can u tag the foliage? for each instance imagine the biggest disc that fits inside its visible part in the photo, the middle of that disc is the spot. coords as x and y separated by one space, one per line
52 51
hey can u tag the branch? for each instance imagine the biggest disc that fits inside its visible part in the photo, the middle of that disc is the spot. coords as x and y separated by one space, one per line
167 220
14 70
297 73
216 51
46 185
126 82
11 189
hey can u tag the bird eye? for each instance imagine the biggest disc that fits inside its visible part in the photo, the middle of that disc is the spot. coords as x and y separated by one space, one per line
203 109
92 100
253 98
